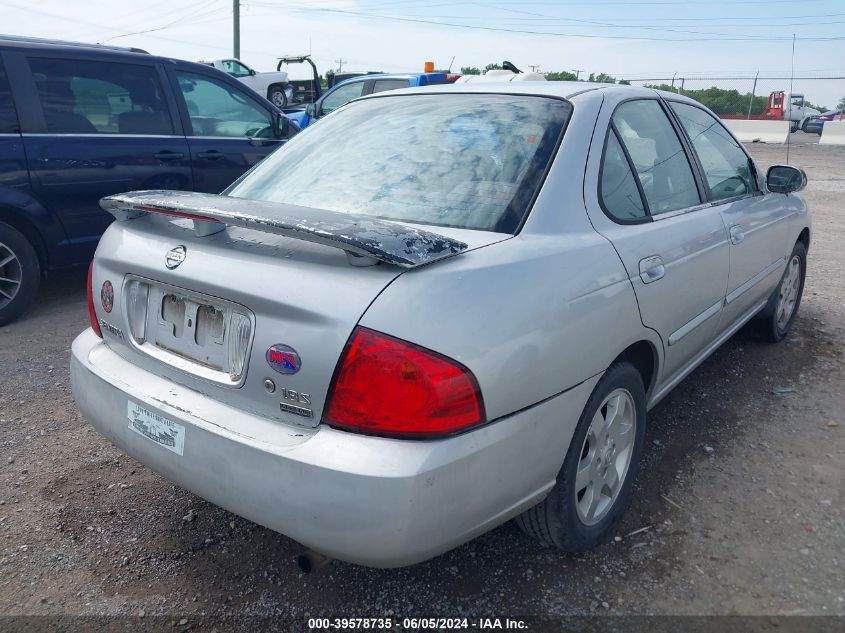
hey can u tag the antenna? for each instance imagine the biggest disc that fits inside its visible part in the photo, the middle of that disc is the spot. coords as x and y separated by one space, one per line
448 70
791 77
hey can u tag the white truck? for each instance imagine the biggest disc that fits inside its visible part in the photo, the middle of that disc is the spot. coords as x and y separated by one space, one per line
273 85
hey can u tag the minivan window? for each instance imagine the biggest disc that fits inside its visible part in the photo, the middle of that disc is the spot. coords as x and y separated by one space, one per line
8 115
620 196
660 161
726 166
218 109
464 160
93 97
341 96
380 85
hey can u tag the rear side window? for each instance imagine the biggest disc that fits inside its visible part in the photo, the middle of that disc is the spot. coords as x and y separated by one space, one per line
726 166
88 97
8 116
657 155
381 85
620 195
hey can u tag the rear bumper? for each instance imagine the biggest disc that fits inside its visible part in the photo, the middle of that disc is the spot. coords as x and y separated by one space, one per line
371 501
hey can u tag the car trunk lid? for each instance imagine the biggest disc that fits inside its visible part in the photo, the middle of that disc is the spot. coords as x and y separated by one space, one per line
252 317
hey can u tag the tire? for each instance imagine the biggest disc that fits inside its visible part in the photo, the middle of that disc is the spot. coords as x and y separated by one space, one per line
793 127
563 519
20 273
276 95
774 323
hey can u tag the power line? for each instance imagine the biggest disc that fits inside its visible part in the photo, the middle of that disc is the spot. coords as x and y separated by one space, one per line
555 33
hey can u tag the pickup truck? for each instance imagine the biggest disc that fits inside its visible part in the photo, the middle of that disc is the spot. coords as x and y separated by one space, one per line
345 91
274 85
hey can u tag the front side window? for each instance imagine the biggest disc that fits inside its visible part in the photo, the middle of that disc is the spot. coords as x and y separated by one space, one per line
218 109
341 96
86 97
620 195
8 116
659 159
726 166
464 160
381 85
235 68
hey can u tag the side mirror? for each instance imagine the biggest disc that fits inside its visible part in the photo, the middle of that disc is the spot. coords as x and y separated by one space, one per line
311 110
251 72
785 179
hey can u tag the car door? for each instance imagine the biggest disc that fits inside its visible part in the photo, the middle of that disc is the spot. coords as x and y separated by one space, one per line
229 129
756 220
339 96
644 196
240 72
99 127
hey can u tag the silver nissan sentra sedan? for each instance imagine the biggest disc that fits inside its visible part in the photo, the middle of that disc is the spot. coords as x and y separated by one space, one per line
437 310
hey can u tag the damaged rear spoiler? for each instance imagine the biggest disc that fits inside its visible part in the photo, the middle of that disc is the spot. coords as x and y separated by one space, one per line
366 240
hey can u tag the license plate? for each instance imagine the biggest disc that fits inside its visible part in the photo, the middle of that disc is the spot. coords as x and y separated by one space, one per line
156 428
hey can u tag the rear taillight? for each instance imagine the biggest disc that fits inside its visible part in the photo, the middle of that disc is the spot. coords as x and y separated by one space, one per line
387 386
92 314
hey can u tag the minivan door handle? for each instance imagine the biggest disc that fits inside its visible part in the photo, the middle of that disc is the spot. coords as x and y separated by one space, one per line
652 269
737 234
210 155
168 155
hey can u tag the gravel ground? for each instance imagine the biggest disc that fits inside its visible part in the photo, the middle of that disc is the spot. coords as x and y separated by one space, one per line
739 508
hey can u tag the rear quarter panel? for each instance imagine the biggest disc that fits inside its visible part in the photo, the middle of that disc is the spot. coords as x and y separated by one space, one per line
533 315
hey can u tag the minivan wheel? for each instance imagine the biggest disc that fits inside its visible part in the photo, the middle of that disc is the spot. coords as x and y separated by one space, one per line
777 317
594 485
278 97
20 273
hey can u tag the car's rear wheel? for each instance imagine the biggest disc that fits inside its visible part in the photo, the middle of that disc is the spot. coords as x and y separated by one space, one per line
594 485
20 273
779 314
278 97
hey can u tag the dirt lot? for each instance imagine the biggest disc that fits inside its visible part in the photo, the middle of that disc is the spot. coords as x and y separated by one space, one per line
740 506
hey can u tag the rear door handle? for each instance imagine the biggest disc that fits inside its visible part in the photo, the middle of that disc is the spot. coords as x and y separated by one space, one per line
737 234
652 269
210 155
168 155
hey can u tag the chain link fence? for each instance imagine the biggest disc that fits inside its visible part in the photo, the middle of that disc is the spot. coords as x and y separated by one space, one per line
759 97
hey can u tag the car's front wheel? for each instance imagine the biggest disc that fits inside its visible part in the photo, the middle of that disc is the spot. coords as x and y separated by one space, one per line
777 317
20 273
278 97
594 485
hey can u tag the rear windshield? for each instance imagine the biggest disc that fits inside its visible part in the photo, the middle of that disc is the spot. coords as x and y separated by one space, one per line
463 160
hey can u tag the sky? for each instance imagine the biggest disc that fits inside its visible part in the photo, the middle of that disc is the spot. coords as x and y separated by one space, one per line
626 39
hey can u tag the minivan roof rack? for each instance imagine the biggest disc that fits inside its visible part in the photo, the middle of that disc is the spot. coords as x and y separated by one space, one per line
23 39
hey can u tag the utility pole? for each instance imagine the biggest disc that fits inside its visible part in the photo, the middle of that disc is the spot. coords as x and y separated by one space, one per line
236 29
534 67
577 72
753 91
340 63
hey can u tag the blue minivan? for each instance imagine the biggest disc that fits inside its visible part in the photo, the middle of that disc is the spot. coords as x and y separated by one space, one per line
79 122
345 91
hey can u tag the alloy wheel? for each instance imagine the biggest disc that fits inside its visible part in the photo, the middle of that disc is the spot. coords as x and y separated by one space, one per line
788 292
11 275
605 456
